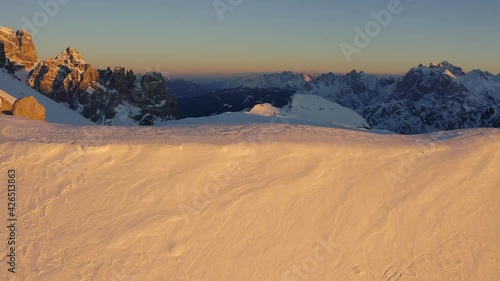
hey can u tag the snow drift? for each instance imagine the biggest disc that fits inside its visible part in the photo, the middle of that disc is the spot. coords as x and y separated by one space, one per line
259 202
317 109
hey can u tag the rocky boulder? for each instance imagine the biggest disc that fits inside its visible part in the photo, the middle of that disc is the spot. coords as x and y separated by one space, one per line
28 107
5 105
19 47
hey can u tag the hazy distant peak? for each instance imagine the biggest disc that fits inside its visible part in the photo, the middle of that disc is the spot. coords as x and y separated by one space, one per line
445 65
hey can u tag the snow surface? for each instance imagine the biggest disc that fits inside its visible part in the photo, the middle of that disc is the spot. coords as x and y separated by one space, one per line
10 87
265 109
448 72
302 110
317 109
312 109
251 202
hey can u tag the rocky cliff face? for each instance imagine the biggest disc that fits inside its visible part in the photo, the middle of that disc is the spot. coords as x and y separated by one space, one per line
3 58
19 47
433 98
58 78
353 90
155 101
108 97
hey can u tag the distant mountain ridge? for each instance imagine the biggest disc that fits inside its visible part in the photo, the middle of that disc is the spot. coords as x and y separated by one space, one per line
438 97
283 80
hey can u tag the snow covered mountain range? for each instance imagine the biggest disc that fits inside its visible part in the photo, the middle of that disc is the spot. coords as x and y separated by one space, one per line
284 80
431 98
426 99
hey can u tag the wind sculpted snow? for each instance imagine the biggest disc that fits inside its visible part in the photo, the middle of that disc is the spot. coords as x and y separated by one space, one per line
252 202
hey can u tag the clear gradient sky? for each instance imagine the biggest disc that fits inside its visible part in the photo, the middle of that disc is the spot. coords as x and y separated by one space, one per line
187 37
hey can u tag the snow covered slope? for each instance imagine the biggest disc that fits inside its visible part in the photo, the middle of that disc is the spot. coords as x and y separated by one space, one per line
56 113
313 109
259 202
301 110
318 109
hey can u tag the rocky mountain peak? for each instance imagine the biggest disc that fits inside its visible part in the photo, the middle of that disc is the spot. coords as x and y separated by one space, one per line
151 81
19 47
327 78
22 33
65 73
445 65
71 56
6 29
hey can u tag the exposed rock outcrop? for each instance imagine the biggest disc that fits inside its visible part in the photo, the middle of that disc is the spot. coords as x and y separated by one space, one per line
108 97
58 78
3 58
28 107
19 47
155 100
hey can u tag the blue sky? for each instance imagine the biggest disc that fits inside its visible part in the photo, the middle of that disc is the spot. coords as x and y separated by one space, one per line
187 37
